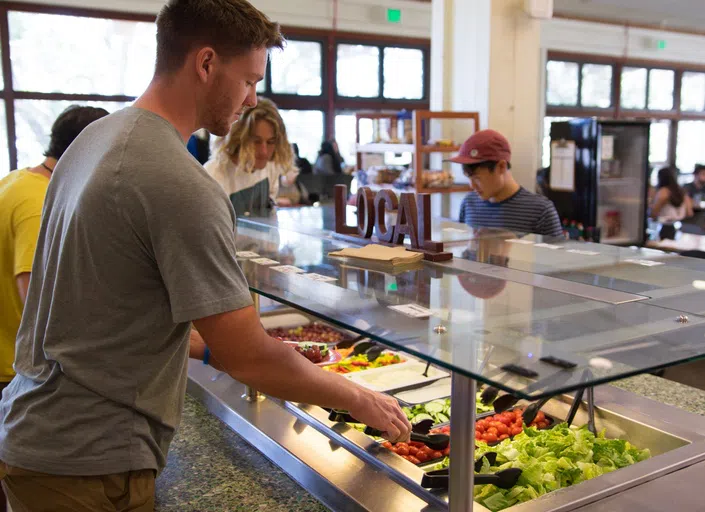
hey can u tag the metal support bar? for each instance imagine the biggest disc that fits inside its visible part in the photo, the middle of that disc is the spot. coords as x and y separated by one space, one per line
251 394
462 449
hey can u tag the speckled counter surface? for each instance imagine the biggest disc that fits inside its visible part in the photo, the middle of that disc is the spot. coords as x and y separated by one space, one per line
212 469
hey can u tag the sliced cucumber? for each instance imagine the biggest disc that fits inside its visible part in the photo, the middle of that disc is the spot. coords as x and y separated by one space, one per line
421 417
442 418
435 407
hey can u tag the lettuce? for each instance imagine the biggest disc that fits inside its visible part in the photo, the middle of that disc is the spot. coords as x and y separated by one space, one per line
549 460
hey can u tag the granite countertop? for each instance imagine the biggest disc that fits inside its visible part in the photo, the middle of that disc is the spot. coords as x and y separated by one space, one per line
210 468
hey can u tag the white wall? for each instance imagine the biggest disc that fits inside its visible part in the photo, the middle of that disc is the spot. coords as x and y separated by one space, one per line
618 41
369 16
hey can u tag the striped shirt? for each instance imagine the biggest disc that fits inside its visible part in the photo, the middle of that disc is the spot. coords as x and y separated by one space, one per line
524 212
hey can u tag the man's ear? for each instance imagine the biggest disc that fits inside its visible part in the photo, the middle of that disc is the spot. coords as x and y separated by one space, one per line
205 64
502 167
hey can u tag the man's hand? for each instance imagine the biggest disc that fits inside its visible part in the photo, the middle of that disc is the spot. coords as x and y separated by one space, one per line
383 413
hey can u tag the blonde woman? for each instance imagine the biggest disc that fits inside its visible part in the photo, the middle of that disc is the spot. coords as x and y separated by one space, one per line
253 160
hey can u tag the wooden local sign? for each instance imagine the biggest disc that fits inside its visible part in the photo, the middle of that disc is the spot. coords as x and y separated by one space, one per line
413 220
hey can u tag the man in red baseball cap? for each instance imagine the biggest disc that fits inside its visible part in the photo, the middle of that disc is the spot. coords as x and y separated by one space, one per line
497 200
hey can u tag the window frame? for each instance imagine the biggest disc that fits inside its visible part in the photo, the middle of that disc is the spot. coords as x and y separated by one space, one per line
328 101
616 111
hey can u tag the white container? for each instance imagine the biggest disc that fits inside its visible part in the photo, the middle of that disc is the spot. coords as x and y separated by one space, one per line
397 376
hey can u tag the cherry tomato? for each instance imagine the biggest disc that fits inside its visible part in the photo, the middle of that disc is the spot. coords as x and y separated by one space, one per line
503 437
542 424
405 457
540 416
490 438
436 455
478 436
421 456
502 429
446 452
387 445
416 444
507 420
413 450
516 431
413 460
492 430
402 450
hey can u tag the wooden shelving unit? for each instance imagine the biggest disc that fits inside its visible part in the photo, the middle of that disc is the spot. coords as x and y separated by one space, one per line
420 149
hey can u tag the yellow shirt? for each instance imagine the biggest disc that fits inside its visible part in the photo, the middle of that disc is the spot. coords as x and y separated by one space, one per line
21 199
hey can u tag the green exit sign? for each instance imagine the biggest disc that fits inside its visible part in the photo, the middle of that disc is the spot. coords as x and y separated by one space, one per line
661 44
394 15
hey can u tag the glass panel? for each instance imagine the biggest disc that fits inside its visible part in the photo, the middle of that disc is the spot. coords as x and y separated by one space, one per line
690 149
546 145
561 83
297 69
659 139
4 150
633 94
491 320
33 120
358 71
693 92
84 55
661 89
261 87
403 73
596 86
305 128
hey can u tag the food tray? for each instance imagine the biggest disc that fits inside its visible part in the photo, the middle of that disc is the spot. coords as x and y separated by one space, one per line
413 375
405 360
293 320
438 390
333 355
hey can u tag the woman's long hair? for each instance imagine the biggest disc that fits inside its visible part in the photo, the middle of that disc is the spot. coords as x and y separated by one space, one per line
237 145
667 179
327 148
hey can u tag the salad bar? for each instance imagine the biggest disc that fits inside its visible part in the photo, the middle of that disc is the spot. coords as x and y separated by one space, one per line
505 399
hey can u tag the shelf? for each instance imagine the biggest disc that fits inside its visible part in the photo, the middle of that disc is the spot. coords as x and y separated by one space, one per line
440 149
444 190
618 240
385 148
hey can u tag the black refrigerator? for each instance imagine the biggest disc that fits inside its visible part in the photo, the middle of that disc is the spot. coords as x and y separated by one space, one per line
599 178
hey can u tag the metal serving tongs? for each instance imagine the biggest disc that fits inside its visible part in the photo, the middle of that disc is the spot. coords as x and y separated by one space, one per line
505 479
578 400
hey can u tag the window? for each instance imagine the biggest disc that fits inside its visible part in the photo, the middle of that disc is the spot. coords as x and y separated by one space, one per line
562 83
85 55
634 88
33 120
403 73
358 71
693 92
661 86
305 128
690 148
660 134
596 86
61 59
297 69
4 153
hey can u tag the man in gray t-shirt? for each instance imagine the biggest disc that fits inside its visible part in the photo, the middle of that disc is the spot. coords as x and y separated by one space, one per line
137 242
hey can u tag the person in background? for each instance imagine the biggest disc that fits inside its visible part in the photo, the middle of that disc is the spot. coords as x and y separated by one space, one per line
329 160
302 163
697 187
253 160
199 146
670 203
497 200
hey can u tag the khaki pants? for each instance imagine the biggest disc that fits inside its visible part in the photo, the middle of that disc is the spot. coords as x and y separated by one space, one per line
28 491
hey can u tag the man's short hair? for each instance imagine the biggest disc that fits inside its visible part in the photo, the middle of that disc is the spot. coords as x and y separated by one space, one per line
68 125
699 168
230 27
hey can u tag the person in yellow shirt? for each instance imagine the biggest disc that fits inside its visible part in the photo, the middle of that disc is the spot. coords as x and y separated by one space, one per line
21 200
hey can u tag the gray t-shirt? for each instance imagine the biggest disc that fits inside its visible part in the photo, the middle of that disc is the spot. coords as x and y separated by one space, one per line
136 241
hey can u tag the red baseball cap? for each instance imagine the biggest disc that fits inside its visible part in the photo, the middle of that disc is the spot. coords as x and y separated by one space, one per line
484 146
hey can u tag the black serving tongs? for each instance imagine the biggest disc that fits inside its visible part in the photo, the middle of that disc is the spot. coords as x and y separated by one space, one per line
438 442
505 479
